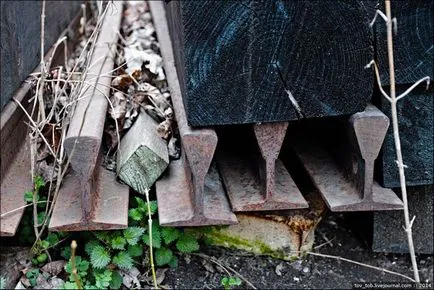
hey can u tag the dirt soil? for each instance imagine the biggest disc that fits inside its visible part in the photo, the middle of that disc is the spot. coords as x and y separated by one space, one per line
311 273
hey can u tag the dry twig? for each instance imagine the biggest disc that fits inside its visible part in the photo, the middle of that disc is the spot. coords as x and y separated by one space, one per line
393 103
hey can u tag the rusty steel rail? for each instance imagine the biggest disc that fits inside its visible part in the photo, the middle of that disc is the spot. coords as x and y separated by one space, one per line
273 188
349 185
90 197
15 172
191 193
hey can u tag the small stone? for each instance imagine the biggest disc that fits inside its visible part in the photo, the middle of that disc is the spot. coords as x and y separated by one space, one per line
306 270
279 269
297 265
296 279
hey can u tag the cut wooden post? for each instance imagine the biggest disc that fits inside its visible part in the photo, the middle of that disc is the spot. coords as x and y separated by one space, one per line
143 155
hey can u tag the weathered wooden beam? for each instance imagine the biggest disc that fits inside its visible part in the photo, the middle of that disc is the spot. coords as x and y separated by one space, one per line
416 117
388 235
263 61
20 38
413 45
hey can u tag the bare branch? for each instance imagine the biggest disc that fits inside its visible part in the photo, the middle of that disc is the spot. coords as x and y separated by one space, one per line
425 79
35 126
377 74
361 264
378 12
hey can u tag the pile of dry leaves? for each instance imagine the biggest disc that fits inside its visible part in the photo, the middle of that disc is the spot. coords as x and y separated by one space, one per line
140 85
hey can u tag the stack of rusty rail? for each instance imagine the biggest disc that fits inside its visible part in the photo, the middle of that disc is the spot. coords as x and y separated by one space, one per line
191 193
90 197
188 196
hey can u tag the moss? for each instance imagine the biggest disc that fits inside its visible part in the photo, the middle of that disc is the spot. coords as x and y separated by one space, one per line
217 237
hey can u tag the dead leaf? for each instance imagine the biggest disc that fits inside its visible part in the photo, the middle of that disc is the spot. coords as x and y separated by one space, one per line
173 148
160 275
122 82
130 277
135 58
110 136
55 283
54 268
47 171
119 104
164 129
168 113
154 113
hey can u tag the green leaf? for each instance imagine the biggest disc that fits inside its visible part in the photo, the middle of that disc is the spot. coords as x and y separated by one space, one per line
135 214
187 243
102 279
235 281
103 236
225 281
99 257
28 196
116 281
39 182
118 243
169 234
163 256
70 285
32 275
133 234
41 217
66 252
153 206
135 250
88 248
141 204
44 244
42 258
174 262
52 239
123 260
156 236
81 265
89 286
